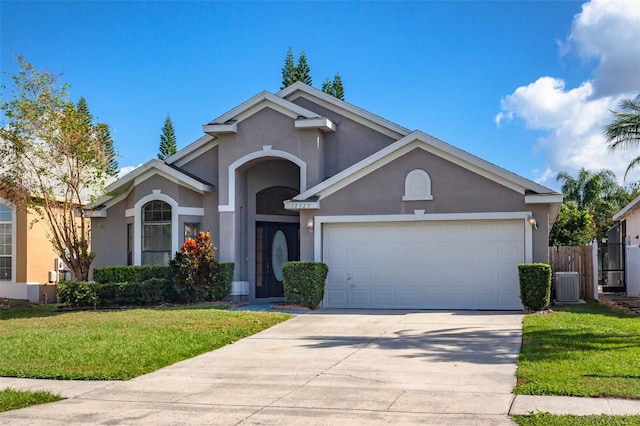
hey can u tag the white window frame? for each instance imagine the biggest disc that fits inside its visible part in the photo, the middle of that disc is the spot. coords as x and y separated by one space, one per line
176 212
14 234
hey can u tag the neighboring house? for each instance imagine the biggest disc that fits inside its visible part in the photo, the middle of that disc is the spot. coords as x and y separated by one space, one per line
402 219
26 256
627 230
628 220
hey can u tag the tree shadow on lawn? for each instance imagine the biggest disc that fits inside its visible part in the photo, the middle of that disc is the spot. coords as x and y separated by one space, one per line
458 344
552 345
34 311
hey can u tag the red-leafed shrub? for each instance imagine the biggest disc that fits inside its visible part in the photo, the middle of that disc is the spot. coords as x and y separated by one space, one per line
194 271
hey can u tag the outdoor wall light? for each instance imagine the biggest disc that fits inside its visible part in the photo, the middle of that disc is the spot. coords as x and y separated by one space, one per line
310 224
533 222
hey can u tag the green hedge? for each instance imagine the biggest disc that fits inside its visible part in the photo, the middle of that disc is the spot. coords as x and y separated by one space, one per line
535 285
304 282
124 274
153 291
224 278
134 285
77 293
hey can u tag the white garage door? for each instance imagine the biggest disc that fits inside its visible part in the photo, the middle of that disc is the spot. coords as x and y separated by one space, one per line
424 265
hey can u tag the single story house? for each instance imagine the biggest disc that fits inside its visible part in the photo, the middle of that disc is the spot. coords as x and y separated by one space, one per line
26 256
403 220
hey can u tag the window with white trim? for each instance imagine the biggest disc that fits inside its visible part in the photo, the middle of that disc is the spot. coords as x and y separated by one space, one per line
156 233
6 242
417 186
191 230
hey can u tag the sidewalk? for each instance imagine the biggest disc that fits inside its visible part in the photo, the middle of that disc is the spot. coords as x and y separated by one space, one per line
521 405
525 404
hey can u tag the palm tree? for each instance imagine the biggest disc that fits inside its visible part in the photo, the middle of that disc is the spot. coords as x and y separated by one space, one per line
597 193
624 130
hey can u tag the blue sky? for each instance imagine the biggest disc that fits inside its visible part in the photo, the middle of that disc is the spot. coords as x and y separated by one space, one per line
526 85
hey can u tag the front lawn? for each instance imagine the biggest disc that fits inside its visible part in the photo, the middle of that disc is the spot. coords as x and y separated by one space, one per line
546 419
11 399
116 345
580 350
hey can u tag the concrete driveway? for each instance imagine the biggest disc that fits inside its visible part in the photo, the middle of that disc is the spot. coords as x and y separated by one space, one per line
332 367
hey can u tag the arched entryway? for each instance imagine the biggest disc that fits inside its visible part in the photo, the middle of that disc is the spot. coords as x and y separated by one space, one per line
277 240
269 233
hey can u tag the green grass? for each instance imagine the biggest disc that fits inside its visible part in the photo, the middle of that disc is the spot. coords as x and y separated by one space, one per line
546 419
39 342
11 399
580 350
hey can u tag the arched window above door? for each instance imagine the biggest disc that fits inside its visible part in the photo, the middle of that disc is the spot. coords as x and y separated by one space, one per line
271 201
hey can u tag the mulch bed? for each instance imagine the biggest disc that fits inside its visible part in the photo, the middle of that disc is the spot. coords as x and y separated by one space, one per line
621 303
14 303
289 307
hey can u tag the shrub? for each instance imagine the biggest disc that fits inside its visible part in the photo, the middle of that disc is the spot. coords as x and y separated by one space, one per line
77 293
157 290
109 294
125 274
535 285
304 282
224 278
193 269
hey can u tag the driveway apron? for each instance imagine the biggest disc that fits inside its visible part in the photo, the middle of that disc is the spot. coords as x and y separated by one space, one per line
331 367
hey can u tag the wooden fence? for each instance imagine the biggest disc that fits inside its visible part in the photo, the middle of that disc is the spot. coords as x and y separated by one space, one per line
575 259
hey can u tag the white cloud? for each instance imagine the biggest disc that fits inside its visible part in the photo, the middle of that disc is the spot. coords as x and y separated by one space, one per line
126 169
573 118
609 30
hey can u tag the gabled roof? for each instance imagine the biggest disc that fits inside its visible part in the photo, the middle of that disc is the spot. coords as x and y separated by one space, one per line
346 109
192 150
227 123
534 193
119 189
628 209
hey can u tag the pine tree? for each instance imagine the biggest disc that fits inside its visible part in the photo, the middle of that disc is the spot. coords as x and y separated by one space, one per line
168 145
102 134
338 89
327 86
110 161
288 70
83 110
303 71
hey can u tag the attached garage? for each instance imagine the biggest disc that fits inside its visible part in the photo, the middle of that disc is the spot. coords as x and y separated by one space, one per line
431 264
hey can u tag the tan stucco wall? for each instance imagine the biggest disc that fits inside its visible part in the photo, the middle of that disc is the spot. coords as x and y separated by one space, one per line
34 253
40 253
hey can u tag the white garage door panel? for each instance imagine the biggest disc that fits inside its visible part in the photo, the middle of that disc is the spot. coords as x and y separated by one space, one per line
427 265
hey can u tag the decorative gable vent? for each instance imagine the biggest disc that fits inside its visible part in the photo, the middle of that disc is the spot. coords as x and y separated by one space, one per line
417 186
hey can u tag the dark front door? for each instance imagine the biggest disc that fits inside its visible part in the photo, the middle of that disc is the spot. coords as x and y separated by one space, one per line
276 243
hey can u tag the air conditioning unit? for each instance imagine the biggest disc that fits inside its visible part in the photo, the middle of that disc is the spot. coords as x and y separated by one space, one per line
567 287
59 265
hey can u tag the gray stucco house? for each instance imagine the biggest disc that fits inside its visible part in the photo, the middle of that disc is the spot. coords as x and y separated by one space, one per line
402 219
